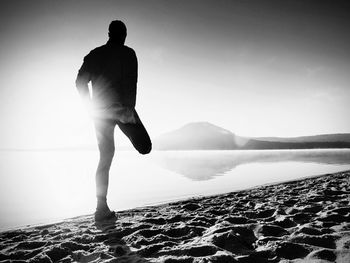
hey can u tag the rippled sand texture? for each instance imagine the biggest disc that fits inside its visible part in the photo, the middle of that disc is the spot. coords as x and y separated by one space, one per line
301 221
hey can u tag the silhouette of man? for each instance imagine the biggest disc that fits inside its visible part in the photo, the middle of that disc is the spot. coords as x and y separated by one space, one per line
112 70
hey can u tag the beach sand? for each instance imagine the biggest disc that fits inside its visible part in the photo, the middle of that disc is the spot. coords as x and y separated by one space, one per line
305 220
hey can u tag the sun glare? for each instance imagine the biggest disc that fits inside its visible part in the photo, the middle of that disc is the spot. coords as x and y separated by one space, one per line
52 114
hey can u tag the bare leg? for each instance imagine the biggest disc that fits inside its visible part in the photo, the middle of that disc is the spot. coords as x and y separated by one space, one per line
105 140
137 134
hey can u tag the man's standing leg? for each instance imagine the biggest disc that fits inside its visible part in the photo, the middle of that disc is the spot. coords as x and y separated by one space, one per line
105 139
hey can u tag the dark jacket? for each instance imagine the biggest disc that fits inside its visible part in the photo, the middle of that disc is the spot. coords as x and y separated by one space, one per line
112 70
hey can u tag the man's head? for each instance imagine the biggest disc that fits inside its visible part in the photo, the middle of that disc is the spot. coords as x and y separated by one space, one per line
117 31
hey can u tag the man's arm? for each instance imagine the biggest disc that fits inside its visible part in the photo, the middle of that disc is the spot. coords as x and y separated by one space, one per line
83 78
129 80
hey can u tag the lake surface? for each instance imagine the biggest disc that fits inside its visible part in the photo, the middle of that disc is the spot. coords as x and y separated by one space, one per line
46 186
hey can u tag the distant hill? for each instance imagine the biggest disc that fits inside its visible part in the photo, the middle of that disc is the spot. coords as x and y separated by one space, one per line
206 136
199 135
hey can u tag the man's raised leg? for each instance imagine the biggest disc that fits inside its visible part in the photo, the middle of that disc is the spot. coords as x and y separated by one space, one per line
137 134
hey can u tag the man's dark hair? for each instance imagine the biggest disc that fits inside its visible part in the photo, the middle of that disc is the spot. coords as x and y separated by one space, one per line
117 30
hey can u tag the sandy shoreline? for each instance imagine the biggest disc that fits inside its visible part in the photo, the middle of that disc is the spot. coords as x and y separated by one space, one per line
304 220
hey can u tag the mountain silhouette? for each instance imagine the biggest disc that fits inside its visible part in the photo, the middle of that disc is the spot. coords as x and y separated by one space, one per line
199 135
207 136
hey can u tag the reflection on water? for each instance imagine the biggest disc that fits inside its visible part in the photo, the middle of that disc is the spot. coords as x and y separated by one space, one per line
39 187
205 165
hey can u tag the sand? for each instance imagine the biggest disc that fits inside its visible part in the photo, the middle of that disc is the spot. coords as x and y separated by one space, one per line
300 221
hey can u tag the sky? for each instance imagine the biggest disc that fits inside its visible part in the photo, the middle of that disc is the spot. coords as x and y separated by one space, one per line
258 68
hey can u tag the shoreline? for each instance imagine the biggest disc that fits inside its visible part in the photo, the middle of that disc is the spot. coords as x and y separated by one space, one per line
168 201
306 218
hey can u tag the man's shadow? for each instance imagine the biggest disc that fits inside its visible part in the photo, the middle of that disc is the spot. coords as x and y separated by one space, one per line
113 238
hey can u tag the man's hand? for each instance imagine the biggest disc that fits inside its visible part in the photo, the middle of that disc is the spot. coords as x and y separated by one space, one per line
128 116
89 107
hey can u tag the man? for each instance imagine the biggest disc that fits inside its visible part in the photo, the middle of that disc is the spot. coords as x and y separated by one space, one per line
112 70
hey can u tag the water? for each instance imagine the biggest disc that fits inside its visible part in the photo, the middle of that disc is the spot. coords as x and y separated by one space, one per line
41 187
